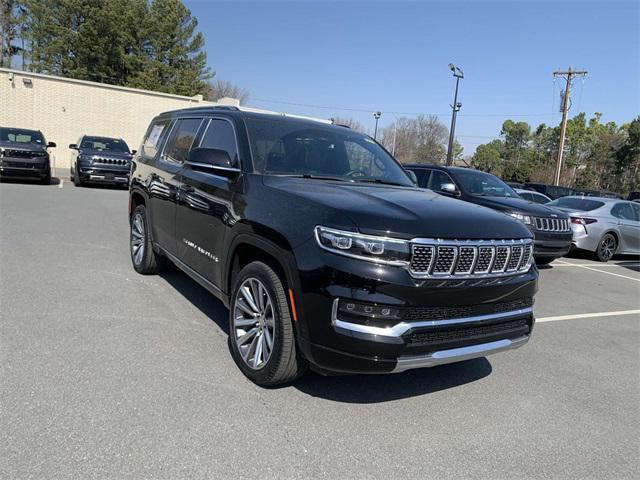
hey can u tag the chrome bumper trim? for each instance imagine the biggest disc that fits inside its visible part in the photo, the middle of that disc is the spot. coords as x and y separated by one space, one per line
117 178
401 328
458 354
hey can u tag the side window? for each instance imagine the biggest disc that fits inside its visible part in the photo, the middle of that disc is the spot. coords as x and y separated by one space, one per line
181 139
220 135
527 196
636 210
438 178
422 174
153 139
623 211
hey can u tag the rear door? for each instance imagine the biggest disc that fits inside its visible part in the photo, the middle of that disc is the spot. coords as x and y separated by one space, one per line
205 208
629 226
164 179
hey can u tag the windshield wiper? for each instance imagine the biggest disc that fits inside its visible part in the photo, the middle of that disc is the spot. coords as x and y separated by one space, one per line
383 182
313 177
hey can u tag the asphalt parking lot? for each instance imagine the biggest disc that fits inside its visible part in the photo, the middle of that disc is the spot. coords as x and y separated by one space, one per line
109 374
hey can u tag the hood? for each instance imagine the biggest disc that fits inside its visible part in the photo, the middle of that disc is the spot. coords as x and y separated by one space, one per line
26 147
101 153
520 205
402 212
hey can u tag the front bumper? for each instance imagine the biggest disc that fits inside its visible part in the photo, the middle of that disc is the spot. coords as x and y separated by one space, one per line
443 321
104 175
551 244
24 168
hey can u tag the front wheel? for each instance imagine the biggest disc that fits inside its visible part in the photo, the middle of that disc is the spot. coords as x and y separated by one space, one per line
261 332
607 247
77 181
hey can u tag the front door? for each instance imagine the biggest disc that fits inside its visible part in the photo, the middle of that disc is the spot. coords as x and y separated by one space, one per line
205 208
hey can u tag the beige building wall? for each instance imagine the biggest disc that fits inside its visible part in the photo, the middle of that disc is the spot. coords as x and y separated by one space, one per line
64 109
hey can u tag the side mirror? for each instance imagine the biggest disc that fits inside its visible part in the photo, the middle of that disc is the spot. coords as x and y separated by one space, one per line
51 144
211 159
449 188
73 146
412 176
133 152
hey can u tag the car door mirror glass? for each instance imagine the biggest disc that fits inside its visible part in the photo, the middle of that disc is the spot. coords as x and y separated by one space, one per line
51 145
73 146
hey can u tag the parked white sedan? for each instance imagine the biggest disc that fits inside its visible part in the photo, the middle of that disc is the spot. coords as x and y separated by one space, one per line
605 226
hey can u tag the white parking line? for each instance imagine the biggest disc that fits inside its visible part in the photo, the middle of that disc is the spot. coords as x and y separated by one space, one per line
602 265
588 315
596 270
61 184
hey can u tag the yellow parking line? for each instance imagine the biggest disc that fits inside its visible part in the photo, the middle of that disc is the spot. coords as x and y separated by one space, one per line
600 271
588 315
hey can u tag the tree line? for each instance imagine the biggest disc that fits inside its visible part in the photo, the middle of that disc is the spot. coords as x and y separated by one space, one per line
147 44
604 156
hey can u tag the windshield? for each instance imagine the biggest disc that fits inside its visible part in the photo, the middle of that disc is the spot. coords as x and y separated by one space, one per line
18 135
300 149
484 184
574 203
104 144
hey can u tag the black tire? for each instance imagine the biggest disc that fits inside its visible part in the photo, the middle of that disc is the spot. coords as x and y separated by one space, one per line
46 180
77 181
284 363
542 261
607 247
144 259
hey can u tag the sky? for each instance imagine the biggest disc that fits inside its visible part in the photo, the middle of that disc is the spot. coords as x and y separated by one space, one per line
393 57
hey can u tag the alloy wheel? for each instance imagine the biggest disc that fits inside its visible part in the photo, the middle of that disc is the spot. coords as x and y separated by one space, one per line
607 247
137 239
253 323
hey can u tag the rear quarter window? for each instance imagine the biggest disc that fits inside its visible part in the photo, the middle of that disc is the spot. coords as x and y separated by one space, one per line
156 133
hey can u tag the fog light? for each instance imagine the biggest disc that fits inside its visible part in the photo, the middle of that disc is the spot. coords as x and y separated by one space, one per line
370 310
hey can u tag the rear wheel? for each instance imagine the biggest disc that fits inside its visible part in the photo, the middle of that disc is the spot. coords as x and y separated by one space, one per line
607 247
261 333
145 260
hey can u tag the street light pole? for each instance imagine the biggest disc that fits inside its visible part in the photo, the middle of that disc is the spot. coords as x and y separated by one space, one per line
376 115
457 72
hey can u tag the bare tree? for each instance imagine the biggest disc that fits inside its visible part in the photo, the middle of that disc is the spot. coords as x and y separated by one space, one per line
221 88
421 139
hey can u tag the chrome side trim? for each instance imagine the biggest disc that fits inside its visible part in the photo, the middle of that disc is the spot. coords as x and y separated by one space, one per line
452 355
401 328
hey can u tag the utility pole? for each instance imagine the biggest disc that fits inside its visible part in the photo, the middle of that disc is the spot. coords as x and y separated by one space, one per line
457 73
567 75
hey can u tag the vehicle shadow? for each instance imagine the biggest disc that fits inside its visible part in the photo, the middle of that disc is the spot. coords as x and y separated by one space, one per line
199 297
367 389
54 181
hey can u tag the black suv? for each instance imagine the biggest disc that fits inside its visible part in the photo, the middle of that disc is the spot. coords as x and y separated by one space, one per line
323 248
552 191
24 155
100 160
551 227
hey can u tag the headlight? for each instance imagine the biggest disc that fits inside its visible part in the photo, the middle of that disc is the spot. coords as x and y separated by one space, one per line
385 250
526 219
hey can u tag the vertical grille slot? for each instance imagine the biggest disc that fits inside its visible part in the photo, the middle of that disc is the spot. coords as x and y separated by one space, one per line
514 260
502 256
422 258
466 258
485 259
445 260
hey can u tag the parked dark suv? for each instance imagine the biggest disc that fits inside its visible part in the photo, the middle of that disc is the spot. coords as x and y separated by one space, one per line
323 248
24 155
551 227
100 160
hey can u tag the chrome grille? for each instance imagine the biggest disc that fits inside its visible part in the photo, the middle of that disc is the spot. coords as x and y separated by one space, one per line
469 258
552 224
110 161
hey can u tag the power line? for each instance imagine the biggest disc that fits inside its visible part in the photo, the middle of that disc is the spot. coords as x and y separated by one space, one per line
369 110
